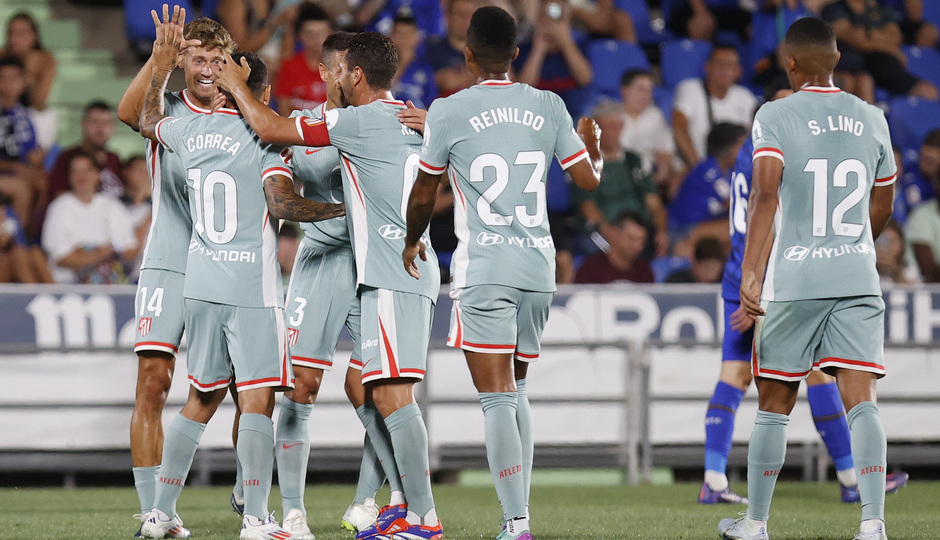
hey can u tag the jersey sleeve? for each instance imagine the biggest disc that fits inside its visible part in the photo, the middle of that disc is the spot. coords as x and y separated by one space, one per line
569 148
764 135
435 150
276 160
168 132
887 171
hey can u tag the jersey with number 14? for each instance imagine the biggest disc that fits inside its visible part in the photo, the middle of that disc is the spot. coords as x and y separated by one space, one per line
233 250
499 138
834 148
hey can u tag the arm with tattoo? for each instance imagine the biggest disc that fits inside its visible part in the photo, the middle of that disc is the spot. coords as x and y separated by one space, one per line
284 203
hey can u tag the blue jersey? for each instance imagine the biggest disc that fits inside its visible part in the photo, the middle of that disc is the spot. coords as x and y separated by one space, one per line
702 197
912 189
737 221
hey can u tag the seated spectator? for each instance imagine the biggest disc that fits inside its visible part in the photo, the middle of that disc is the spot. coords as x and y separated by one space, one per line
137 200
627 239
645 130
914 29
916 181
379 15
23 43
22 178
445 53
891 256
299 85
708 263
259 26
702 104
604 18
554 60
414 80
98 250
18 260
700 208
97 130
870 40
923 235
624 186
700 19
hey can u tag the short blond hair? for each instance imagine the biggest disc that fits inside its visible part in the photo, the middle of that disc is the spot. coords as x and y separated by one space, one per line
211 34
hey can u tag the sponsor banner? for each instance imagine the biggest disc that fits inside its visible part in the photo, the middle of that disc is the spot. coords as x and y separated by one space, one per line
53 316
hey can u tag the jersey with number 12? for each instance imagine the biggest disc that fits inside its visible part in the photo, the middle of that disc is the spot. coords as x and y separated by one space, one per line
233 250
834 148
499 138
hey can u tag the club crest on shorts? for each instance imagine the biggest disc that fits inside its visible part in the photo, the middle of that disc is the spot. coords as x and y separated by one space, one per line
292 334
143 326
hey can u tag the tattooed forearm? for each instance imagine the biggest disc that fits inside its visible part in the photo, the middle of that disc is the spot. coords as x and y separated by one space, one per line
283 203
153 104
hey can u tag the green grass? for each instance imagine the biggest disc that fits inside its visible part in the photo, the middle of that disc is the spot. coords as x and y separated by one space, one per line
800 511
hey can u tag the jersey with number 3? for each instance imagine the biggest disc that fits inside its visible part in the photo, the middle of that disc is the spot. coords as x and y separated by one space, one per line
834 148
499 138
233 249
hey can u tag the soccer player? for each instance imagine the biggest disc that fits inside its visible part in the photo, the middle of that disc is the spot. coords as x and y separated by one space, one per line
821 389
498 138
379 157
232 293
159 301
823 180
321 298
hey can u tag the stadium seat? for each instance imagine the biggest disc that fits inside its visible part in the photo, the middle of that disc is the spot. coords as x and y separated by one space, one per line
610 58
682 59
62 34
924 62
932 11
639 12
911 119
663 98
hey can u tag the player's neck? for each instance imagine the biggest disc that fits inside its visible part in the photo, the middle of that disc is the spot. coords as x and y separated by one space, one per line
822 81
486 76
369 95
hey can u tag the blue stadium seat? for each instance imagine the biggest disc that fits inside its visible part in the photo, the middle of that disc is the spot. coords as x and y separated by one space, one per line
682 59
924 62
610 58
932 11
911 119
640 14
139 25
663 97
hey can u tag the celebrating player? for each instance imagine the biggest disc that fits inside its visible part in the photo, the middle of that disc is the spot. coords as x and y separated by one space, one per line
498 137
379 158
238 189
823 179
159 300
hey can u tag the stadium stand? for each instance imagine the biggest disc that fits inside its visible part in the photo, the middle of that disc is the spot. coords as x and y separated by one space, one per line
682 59
610 59
924 62
646 32
910 120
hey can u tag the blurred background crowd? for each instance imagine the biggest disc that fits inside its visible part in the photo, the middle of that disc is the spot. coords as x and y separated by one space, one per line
673 84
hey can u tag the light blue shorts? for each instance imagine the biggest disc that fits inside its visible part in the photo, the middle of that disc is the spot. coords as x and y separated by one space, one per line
159 309
396 330
498 319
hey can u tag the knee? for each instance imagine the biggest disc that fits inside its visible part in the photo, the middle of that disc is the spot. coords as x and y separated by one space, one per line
153 380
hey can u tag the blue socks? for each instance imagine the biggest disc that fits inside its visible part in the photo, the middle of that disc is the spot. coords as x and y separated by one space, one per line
292 450
719 426
829 417
179 446
765 455
410 443
145 480
254 449
504 451
870 448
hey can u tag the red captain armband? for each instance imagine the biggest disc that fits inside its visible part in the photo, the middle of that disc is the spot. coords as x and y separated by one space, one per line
313 131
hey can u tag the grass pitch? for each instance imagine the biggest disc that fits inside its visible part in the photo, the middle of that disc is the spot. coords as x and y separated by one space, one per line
800 511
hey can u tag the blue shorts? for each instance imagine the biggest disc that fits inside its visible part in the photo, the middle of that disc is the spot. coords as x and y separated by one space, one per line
735 346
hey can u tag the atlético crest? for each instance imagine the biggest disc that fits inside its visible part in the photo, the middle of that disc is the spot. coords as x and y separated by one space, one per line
292 334
143 327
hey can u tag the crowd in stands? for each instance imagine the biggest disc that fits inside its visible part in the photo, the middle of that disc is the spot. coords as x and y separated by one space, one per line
691 75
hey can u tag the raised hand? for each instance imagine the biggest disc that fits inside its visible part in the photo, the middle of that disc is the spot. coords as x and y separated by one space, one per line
173 23
232 74
590 133
166 47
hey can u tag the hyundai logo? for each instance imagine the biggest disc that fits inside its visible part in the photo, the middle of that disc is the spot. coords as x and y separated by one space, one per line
489 239
392 232
796 253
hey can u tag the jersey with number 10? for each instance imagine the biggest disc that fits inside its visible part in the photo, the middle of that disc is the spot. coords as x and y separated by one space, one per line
499 138
233 250
834 148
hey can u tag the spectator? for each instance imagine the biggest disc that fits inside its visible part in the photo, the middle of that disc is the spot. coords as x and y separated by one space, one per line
645 130
914 29
22 178
379 15
701 104
603 18
415 78
23 43
870 42
768 28
299 85
136 199
17 258
554 60
624 186
97 129
891 256
923 235
708 263
96 251
916 184
700 208
622 262
699 19
445 54
259 26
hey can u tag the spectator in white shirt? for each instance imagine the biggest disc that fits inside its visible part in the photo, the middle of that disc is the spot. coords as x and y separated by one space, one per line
701 104
88 235
645 130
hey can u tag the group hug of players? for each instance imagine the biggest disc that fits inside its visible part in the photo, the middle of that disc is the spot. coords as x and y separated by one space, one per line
224 168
